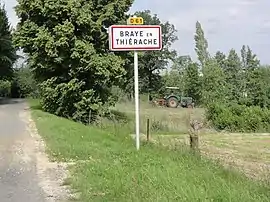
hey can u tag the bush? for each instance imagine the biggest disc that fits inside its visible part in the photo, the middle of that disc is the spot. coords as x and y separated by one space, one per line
72 101
5 88
239 118
24 84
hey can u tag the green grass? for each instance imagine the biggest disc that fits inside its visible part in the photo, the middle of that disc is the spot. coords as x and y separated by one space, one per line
110 169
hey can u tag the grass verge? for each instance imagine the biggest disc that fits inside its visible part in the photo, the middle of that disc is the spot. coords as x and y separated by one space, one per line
108 167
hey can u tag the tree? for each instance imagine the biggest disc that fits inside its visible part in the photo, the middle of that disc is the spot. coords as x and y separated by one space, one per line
24 84
192 82
213 78
7 51
181 62
221 59
213 83
249 60
201 46
151 63
67 45
259 87
250 65
5 87
175 77
234 77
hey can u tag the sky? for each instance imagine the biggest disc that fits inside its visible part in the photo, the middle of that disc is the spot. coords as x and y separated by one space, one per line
227 24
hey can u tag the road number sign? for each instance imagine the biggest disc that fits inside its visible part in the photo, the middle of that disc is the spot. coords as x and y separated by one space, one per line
135 37
135 21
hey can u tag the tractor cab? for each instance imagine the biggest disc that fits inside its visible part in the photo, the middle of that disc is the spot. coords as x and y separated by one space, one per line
171 91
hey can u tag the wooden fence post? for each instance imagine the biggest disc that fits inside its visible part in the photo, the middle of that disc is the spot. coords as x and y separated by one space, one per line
194 134
148 130
194 142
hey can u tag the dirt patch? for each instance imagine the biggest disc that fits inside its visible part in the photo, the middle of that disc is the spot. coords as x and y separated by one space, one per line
51 175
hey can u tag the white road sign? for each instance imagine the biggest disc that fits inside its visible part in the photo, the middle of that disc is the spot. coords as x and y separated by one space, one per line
135 37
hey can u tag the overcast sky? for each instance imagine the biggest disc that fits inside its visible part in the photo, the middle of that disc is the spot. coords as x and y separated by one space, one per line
227 23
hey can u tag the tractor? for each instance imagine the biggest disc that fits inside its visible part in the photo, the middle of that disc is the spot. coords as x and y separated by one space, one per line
173 99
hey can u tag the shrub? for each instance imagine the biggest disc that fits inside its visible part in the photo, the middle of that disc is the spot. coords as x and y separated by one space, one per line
71 100
5 88
239 118
24 84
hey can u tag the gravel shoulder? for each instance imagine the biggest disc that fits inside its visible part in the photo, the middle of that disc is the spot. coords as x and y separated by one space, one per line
26 174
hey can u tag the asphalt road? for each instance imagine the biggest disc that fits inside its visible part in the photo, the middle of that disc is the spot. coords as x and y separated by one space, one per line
18 175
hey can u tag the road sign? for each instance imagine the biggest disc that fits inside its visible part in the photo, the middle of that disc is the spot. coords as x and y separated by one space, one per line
135 37
135 21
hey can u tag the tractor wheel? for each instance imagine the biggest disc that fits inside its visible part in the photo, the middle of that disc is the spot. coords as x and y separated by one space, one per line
173 102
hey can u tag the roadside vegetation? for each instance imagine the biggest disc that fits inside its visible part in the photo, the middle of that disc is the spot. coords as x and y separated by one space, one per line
108 168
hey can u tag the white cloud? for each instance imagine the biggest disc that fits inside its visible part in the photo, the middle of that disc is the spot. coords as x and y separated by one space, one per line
227 24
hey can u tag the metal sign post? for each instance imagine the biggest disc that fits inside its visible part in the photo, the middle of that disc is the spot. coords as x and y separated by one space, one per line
137 100
134 37
132 21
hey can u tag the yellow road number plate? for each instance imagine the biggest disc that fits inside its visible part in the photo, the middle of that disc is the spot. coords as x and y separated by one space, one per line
135 21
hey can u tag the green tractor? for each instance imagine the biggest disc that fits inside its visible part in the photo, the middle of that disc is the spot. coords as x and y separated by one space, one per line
173 98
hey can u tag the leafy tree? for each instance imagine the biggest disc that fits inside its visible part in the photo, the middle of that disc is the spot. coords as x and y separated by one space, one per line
151 63
213 83
221 59
250 65
173 78
180 63
213 78
192 81
7 51
24 84
249 60
67 45
234 77
5 88
259 87
201 46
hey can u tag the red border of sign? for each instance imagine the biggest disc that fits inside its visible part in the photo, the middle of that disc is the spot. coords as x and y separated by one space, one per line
159 47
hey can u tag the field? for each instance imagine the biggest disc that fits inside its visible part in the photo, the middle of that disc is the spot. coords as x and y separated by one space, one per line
105 166
250 153
163 120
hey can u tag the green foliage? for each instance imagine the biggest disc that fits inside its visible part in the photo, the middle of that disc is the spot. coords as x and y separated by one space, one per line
67 45
24 84
236 83
239 118
258 85
173 78
201 46
213 83
178 75
7 51
234 77
221 59
5 88
70 101
192 81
